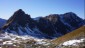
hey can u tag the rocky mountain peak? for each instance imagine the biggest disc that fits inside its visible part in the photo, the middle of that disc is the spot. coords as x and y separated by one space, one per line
20 11
71 15
19 17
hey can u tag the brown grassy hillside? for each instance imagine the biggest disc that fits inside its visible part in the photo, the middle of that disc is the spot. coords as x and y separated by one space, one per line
74 34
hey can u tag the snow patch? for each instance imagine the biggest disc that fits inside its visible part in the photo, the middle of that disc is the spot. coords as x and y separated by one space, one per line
72 42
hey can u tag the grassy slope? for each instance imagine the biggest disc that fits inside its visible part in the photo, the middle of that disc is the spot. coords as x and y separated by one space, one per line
76 33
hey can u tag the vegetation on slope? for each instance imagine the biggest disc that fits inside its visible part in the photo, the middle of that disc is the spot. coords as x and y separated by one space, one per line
74 34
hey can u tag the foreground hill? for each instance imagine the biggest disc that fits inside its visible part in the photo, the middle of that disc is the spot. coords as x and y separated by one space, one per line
51 26
76 34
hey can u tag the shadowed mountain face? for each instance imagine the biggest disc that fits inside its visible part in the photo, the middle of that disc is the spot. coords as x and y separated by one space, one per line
51 26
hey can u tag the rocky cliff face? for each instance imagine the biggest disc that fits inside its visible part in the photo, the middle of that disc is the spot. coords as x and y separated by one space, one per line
51 26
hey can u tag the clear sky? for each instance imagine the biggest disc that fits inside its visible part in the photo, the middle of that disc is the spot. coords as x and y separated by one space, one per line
41 7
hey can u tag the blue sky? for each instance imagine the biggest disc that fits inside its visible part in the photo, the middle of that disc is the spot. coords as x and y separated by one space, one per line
41 7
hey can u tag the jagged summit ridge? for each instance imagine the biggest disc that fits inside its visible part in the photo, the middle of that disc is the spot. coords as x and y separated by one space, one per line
20 18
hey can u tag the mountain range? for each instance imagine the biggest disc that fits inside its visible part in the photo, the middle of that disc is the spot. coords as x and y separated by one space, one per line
2 22
51 26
